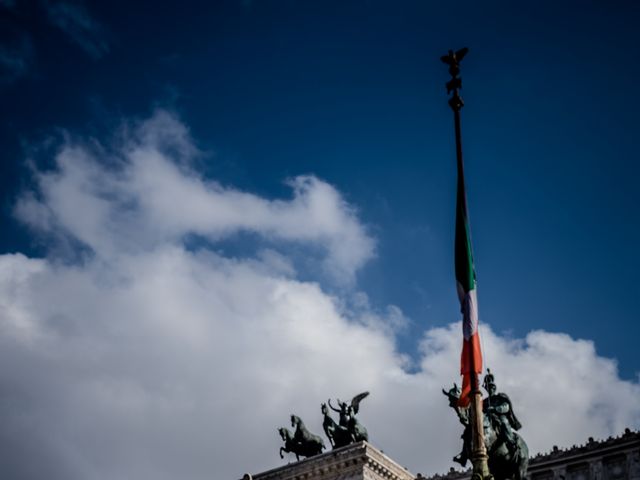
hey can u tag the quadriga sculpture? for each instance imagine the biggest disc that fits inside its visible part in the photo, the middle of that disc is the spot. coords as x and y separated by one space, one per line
348 418
348 430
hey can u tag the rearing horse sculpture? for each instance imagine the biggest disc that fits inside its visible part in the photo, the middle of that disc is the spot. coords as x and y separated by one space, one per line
306 443
338 435
289 444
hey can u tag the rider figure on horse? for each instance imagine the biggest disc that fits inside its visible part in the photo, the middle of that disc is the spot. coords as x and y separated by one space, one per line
497 406
508 452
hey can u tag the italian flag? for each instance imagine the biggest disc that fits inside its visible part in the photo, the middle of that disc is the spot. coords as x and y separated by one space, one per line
471 360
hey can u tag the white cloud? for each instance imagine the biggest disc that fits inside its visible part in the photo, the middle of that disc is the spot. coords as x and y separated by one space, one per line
150 360
148 199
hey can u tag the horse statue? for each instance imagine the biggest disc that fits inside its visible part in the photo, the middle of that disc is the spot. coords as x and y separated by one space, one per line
338 435
348 418
508 452
356 429
289 445
303 442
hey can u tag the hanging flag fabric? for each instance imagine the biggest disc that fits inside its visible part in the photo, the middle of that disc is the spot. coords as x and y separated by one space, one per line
471 359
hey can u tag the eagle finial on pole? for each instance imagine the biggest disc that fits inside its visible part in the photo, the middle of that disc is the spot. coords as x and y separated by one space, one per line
454 85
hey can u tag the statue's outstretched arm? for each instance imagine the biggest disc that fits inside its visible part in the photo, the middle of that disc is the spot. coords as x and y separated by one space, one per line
332 407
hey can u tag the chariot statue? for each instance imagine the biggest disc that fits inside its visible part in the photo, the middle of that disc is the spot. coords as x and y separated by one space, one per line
348 430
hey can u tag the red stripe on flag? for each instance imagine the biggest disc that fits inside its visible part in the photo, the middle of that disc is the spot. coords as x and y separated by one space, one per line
470 363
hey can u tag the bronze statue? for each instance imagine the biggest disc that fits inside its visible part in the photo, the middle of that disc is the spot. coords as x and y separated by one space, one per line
289 445
463 415
348 418
497 406
349 430
508 452
338 435
302 442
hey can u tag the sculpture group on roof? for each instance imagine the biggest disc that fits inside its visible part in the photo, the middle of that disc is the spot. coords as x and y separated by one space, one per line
508 452
348 430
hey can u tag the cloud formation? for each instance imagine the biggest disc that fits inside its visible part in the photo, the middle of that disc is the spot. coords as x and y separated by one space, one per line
144 199
149 358
16 57
75 21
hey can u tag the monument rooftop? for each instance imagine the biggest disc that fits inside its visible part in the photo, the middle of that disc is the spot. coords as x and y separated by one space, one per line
353 462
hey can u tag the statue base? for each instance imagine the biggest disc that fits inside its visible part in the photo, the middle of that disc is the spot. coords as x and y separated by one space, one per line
358 461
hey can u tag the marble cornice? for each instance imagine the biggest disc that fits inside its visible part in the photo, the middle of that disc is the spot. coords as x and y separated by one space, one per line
357 461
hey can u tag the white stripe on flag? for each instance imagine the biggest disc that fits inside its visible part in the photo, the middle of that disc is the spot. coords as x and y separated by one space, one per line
469 314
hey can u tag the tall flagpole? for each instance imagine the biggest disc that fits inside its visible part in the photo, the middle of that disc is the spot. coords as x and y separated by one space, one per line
478 450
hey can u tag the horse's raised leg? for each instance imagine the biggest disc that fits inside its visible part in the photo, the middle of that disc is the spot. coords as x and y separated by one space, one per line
329 434
281 449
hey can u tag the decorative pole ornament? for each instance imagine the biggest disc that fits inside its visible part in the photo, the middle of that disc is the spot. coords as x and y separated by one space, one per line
471 358
453 59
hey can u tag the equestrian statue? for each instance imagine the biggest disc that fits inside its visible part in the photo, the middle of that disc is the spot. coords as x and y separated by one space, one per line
508 452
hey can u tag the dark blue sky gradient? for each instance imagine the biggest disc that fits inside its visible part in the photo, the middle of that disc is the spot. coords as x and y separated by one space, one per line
354 93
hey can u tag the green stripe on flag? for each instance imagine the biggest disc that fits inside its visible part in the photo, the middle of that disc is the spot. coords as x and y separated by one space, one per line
465 273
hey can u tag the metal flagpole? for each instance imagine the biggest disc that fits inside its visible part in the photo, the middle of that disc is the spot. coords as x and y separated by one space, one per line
479 452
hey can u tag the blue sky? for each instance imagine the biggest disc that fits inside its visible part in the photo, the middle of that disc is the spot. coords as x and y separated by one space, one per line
352 94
